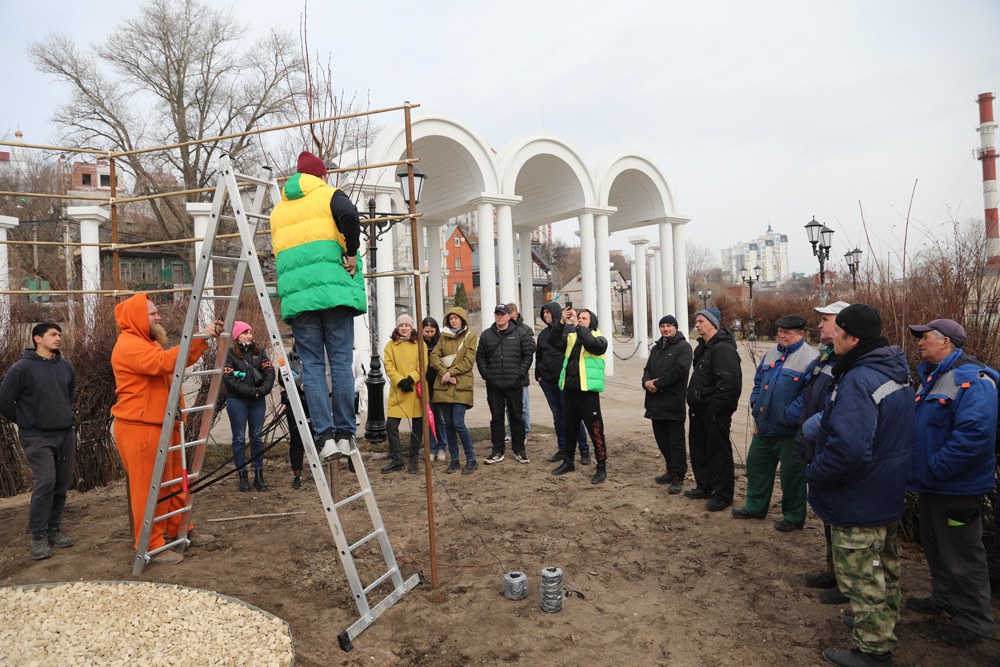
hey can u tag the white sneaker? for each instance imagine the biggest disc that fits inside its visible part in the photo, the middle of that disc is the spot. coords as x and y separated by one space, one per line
330 451
346 445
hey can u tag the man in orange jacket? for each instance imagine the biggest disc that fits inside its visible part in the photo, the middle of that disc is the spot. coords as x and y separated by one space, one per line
142 377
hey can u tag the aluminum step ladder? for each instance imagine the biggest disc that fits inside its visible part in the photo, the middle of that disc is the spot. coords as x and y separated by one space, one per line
228 199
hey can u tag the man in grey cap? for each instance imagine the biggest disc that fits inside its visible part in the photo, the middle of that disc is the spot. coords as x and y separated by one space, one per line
777 386
952 464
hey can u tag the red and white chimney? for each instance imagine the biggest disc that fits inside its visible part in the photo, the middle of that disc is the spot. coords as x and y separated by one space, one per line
988 155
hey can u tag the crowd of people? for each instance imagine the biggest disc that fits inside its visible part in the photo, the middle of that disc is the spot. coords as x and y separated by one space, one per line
844 426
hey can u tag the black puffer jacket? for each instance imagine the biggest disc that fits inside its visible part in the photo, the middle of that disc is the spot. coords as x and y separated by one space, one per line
258 370
669 363
548 360
504 357
526 380
717 380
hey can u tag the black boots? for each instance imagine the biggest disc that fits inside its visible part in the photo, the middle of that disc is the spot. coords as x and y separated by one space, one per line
258 480
601 473
244 481
566 466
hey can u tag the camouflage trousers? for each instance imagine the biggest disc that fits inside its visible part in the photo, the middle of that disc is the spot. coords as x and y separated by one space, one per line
867 570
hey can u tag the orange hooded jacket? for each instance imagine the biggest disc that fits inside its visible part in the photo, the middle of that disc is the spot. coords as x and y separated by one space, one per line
142 367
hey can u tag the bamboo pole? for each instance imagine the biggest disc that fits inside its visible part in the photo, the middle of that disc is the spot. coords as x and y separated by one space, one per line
254 516
19 144
46 195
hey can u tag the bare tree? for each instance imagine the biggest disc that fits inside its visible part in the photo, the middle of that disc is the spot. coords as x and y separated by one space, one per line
180 71
700 261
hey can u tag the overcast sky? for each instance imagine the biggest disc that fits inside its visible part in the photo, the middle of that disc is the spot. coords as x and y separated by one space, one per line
758 112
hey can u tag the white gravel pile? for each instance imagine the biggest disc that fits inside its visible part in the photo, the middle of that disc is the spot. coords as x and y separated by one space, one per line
135 624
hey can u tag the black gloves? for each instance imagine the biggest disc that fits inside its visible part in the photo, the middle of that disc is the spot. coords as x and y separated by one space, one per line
406 384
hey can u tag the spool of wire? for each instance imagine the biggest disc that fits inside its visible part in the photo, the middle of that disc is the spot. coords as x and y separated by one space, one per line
515 586
552 589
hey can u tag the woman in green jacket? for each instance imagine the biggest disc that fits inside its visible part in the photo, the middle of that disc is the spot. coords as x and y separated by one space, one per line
453 358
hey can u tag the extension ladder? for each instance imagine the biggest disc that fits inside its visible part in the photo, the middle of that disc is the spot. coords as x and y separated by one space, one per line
227 193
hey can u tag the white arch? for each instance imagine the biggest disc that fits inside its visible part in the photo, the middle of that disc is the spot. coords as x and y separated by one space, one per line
631 182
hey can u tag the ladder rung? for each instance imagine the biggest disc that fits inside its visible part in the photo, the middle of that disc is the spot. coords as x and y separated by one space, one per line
227 258
190 443
157 519
211 371
354 497
197 408
378 581
365 539
219 297
256 216
178 480
251 179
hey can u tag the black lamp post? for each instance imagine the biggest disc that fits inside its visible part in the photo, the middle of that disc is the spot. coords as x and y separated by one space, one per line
376 229
821 238
705 297
751 280
621 289
853 259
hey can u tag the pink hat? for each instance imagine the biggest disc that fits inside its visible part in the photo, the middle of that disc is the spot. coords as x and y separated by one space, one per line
239 328
404 319
310 164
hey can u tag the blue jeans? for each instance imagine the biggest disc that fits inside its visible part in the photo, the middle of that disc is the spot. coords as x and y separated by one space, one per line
242 411
993 557
454 417
50 458
321 335
525 414
439 443
556 397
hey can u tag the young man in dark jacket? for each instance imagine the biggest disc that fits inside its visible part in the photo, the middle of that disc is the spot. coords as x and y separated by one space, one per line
665 379
503 358
37 393
713 395
857 478
548 366
582 380
518 320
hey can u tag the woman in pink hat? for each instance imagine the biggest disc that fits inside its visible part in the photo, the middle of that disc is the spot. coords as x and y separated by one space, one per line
249 376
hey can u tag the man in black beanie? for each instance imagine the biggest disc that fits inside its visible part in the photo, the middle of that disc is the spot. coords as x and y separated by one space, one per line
857 478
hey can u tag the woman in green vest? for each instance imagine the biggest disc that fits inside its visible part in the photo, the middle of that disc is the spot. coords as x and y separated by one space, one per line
582 380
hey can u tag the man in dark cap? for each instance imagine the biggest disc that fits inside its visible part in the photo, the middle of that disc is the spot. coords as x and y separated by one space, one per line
665 380
953 463
777 385
713 395
316 233
857 478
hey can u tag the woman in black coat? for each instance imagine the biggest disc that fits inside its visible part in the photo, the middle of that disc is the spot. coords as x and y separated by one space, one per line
665 380
249 376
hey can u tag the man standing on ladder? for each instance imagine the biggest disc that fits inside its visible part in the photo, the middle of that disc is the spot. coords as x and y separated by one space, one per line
316 233
142 382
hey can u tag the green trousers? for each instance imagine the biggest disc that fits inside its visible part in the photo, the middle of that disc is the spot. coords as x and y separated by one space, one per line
868 573
766 452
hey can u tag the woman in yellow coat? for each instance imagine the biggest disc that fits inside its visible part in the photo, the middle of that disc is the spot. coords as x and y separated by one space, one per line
403 370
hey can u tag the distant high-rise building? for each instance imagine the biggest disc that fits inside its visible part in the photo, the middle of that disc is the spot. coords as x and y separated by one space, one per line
769 250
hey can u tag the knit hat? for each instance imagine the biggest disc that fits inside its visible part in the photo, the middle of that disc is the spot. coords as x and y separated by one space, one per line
668 319
239 328
833 308
404 319
713 315
310 164
861 321
791 322
950 328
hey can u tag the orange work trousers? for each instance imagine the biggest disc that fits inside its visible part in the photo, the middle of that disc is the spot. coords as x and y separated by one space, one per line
137 444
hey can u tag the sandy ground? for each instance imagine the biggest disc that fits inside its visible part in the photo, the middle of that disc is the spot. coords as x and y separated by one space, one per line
664 582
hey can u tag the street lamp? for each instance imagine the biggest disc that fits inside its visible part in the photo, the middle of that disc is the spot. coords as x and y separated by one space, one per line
621 293
751 280
376 229
821 238
853 259
705 298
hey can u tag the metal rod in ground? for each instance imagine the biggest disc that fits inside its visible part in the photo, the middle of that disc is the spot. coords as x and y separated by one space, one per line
421 347
254 516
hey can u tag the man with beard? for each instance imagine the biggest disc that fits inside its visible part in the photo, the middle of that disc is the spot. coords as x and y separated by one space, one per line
665 379
142 382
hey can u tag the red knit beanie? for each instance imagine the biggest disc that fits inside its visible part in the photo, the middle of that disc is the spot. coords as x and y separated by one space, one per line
310 164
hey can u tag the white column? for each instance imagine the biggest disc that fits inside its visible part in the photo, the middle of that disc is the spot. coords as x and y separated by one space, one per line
505 255
639 286
384 287
667 270
6 222
200 213
655 286
631 296
90 218
588 267
680 278
527 276
603 305
435 271
487 263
